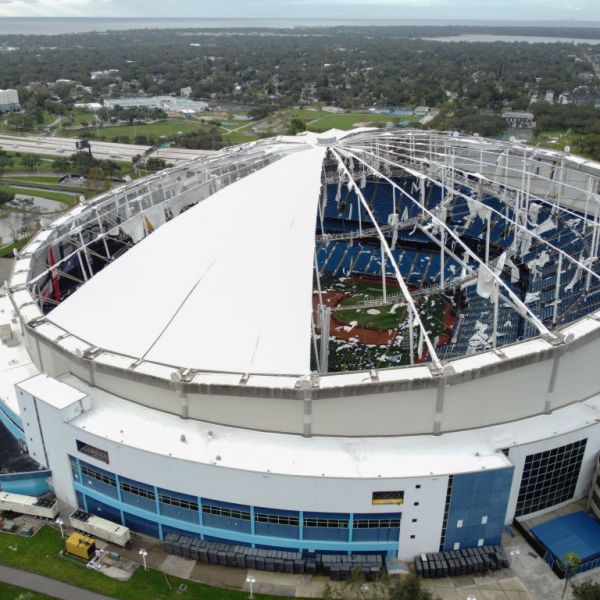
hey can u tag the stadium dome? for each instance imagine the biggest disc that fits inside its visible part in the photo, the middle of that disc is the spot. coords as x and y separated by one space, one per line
411 308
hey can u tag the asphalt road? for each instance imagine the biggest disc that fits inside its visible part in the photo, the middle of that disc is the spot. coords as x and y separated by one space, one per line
56 146
45 585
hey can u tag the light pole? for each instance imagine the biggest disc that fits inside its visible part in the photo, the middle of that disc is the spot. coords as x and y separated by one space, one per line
143 553
60 523
251 580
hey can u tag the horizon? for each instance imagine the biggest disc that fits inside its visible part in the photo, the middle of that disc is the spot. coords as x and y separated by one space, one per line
372 10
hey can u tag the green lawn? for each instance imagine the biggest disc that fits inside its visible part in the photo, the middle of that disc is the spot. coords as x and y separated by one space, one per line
389 316
349 121
69 199
238 137
36 179
10 592
40 554
168 128
8 249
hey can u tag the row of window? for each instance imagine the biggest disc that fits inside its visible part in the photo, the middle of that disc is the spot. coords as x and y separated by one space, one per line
376 523
225 512
277 519
187 504
93 474
326 523
138 491
241 514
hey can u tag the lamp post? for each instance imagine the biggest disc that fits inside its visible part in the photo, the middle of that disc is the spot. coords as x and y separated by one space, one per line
60 523
251 580
143 553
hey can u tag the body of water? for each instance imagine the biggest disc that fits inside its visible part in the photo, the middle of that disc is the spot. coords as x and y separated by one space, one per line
530 39
55 26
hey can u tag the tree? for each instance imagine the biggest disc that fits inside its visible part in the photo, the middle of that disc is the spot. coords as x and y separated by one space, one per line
5 162
570 564
296 126
6 196
31 161
61 165
409 588
155 164
355 588
587 590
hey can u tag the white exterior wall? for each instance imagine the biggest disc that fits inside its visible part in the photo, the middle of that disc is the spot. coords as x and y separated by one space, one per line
270 490
8 98
45 436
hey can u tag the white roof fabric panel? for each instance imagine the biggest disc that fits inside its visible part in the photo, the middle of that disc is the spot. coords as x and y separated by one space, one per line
226 286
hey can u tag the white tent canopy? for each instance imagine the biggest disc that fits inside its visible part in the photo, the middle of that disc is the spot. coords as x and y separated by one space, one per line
226 286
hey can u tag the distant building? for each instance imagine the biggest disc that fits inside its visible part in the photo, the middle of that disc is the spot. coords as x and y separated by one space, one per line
519 119
579 97
549 96
166 103
336 110
422 111
9 101
104 73
186 91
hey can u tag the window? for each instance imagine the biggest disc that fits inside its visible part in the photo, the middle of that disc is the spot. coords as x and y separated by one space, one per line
165 499
276 519
550 477
329 523
446 512
484 520
459 524
418 486
414 520
376 523
456 546
133 489
225 512
412 537
416 504
93 474
92 451
387 498
480 542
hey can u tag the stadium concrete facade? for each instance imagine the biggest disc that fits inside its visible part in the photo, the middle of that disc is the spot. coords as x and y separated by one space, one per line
350 342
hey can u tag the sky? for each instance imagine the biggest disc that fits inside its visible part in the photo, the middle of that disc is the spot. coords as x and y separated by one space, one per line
526 10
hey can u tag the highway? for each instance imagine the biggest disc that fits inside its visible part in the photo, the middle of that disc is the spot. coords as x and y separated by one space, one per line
55 146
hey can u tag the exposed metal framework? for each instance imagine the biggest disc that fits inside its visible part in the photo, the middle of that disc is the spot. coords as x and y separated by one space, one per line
472 170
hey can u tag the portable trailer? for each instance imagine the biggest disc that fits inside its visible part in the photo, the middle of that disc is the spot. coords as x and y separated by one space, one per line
29 505
100 528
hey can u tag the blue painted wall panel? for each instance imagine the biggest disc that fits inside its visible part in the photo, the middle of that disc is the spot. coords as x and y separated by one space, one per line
103 510
177 512
144 526
475 496
139 501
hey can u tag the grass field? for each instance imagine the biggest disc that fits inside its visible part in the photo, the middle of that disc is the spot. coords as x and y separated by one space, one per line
40 554
389 316
10 592
36 179
348 121
168 128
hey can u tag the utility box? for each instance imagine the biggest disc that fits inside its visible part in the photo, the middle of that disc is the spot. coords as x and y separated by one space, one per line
81 546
